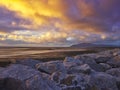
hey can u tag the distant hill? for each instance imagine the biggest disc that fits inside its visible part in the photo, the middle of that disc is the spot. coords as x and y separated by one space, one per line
85 45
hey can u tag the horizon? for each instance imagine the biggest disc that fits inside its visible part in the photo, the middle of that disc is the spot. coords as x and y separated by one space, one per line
59 23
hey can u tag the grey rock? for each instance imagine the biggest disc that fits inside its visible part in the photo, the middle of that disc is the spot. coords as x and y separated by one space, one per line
89 59
51 67
57 76
20 77
110 53
102 59
95 57
73 82
116 53
44 75
105 66
86 58
71 62
116 73
67 80
114 62
101 81
85 68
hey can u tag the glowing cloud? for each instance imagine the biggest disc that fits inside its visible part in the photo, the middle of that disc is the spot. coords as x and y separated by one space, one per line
64 21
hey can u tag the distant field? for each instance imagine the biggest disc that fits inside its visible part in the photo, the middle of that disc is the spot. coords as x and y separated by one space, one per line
10 54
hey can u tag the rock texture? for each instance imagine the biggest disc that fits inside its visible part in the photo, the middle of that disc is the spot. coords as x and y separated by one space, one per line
97 71
20 77
51 67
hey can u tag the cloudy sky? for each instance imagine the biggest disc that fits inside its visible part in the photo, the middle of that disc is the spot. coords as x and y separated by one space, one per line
59 22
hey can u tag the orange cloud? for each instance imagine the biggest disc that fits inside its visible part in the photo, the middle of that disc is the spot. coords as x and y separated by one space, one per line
63 16
79 14
30 37
39 11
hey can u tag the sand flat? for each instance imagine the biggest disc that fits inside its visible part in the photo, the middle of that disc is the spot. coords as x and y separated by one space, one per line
4 53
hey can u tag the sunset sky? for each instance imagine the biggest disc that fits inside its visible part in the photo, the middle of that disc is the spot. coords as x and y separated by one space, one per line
59 22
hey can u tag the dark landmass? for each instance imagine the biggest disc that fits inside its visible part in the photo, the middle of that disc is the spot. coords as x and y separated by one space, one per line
91 45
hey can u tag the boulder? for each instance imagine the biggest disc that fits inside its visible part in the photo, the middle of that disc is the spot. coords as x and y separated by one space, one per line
94 81
86 58
101 81
89 59
57 76
116 53
45 75
73 82
105 66
110 53
116 73
102 59
20 77
51 67
85 68
114 62
95 57
71 62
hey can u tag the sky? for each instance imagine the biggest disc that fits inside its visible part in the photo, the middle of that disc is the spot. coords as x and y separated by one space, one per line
59 22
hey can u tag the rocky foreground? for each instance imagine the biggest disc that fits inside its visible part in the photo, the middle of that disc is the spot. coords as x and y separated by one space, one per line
99 71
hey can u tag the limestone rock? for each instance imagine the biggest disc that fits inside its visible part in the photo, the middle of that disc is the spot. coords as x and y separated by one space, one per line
105 66
20 77
51 67
73 82
57 76
71 62
85 68
115 61
116 73
101 81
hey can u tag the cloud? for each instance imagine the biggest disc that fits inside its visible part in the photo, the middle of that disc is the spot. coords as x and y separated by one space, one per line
81 20
39 11
10 22
93 15
33 36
